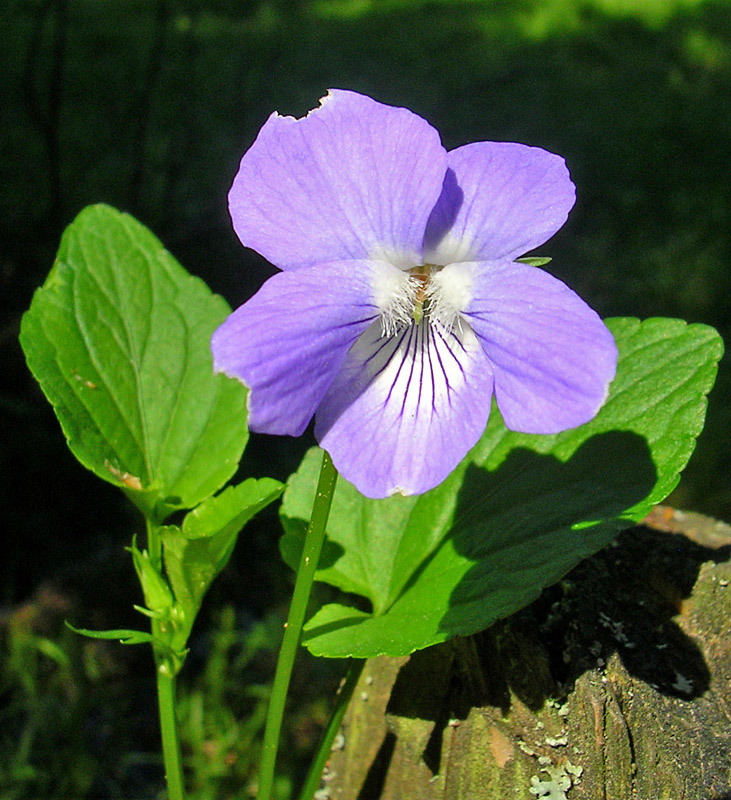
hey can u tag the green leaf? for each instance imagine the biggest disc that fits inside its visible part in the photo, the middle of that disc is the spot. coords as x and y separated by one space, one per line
517 514
118 338
123 635
200 549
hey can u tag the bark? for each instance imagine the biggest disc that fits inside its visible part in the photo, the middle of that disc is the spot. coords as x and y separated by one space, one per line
614 685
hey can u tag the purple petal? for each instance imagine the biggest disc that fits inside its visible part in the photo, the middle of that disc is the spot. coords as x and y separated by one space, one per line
552 356
404 410
499 200
287 343
354 179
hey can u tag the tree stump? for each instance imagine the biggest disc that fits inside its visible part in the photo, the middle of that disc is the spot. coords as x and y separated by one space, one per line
614 685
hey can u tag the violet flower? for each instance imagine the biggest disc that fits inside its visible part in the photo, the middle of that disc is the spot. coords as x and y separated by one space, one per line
400 308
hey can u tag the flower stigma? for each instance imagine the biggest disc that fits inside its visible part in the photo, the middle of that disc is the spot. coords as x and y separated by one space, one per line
419 276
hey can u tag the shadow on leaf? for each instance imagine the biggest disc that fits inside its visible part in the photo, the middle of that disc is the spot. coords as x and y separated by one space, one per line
535 517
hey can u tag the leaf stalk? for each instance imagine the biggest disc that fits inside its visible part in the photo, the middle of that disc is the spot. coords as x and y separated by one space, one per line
314 775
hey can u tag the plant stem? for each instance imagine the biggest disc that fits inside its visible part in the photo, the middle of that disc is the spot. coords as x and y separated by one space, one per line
165 671
293 628
333 726
154 544
169 729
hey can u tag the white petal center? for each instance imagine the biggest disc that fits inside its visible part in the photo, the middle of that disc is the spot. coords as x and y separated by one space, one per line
419 368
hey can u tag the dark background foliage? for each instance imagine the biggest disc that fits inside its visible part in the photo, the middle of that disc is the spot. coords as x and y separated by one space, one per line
149 105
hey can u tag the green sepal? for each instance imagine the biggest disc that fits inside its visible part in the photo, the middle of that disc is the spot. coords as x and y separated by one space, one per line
535 261
155 589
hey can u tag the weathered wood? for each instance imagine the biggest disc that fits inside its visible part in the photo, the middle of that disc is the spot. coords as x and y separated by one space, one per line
614 685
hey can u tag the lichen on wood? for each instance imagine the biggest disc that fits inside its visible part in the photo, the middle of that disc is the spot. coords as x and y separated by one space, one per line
614 685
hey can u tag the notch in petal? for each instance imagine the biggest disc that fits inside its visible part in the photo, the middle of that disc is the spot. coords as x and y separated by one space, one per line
354 179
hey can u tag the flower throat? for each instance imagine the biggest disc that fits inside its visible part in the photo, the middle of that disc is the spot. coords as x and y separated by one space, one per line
419 280
419 295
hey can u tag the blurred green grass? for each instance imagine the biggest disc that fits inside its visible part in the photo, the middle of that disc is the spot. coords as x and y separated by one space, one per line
149 105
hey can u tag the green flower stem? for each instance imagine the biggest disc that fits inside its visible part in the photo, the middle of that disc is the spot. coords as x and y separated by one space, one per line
169 729
333 726
165 670
293 629
154 544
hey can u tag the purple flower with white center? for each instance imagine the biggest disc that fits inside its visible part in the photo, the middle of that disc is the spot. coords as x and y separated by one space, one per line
400 309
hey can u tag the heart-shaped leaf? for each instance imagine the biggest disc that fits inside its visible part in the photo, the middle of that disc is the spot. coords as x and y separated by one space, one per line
118 337
517 514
